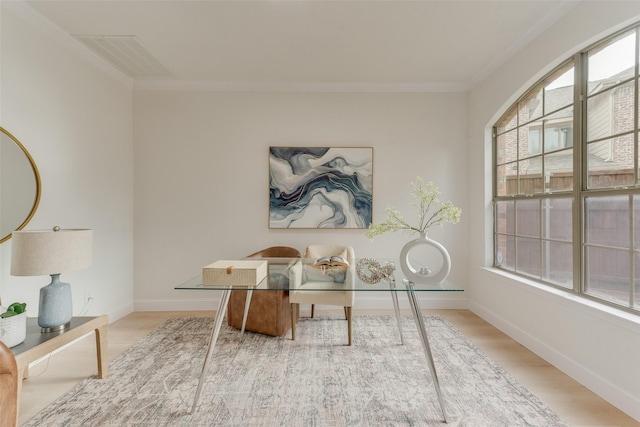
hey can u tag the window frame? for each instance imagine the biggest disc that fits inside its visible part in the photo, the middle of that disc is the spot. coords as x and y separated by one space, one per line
580 190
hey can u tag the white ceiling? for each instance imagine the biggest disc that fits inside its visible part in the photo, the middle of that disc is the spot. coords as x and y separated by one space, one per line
394 44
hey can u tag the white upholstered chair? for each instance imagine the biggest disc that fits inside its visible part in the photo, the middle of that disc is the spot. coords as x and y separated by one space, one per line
313 284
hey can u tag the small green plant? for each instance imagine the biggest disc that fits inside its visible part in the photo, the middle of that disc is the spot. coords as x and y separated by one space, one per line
430 211
14 309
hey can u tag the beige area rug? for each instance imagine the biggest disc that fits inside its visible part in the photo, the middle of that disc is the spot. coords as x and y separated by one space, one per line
314 381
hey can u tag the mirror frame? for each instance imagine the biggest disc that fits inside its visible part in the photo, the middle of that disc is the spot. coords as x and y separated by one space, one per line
38 185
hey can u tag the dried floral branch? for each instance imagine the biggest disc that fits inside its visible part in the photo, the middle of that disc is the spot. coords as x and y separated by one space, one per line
424 197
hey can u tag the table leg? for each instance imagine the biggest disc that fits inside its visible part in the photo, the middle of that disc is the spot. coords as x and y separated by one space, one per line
215 331
247 302
25 374
101 350
396 308
422 331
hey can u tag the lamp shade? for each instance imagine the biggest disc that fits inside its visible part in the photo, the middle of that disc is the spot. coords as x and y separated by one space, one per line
46 252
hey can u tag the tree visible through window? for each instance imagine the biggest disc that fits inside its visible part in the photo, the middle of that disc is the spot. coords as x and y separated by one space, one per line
566 180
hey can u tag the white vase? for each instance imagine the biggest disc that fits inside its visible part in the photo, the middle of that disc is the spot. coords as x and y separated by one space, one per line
424 275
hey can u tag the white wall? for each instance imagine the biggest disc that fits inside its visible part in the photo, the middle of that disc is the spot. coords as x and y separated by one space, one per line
76 121
599 348
201 184
201 176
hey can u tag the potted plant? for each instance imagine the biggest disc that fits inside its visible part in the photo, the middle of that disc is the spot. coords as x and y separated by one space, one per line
13 323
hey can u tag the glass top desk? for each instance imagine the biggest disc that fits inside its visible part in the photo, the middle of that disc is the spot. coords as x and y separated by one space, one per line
366 275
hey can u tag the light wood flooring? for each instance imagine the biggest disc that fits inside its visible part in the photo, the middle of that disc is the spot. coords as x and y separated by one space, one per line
575 404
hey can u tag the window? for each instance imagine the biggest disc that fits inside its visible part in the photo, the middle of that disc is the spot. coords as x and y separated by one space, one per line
566 178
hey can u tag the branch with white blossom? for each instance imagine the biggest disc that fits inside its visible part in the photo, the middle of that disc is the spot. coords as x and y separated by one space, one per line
424 197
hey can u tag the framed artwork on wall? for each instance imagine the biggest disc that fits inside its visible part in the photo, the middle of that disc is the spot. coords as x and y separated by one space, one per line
320 187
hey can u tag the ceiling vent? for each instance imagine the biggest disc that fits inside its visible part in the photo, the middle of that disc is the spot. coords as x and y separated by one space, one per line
126 53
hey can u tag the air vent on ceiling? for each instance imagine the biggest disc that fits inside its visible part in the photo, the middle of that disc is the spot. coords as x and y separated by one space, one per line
126 53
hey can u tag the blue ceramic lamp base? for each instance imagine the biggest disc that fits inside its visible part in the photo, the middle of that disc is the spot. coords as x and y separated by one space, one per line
55 307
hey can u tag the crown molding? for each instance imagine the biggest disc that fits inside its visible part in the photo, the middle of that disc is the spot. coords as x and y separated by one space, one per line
54 32
21 8
211 86
537 29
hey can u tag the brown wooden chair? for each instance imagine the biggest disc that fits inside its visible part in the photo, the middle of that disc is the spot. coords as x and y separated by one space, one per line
8 387
276 252
269 311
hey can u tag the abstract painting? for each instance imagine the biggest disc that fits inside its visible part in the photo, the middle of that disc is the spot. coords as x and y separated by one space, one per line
320 187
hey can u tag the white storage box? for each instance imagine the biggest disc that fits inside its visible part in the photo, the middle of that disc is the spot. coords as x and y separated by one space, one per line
236 273
13 330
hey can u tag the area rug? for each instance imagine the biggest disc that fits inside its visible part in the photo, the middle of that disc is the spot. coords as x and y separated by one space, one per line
258 380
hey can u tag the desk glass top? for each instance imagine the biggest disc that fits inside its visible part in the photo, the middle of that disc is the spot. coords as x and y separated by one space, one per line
386 274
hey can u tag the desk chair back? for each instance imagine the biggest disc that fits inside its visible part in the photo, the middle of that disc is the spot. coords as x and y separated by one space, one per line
316 278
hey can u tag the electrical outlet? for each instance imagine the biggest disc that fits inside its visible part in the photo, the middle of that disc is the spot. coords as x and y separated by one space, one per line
88 299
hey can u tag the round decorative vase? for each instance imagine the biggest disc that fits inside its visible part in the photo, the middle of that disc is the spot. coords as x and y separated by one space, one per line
423 274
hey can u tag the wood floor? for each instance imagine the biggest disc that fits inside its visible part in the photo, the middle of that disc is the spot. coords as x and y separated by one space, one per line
578 406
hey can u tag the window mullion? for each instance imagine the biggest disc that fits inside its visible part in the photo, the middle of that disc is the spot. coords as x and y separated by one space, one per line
579 168
631 253
515 235
636 125
541 236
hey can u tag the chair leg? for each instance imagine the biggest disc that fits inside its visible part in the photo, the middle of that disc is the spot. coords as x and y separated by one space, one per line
294 310
313 310
346 316
349 323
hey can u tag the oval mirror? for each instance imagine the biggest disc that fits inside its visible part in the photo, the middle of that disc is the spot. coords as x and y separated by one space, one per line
19 185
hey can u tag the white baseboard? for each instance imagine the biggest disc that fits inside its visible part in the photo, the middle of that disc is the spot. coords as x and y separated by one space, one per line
605 389
177 305
120 312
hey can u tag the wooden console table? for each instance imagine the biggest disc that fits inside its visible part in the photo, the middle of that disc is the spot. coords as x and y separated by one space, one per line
38 344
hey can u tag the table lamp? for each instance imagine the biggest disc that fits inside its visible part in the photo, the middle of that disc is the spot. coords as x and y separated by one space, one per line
51 252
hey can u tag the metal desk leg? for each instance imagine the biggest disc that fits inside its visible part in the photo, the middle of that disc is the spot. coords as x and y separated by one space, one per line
215 331
396 307
247 303
422 330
